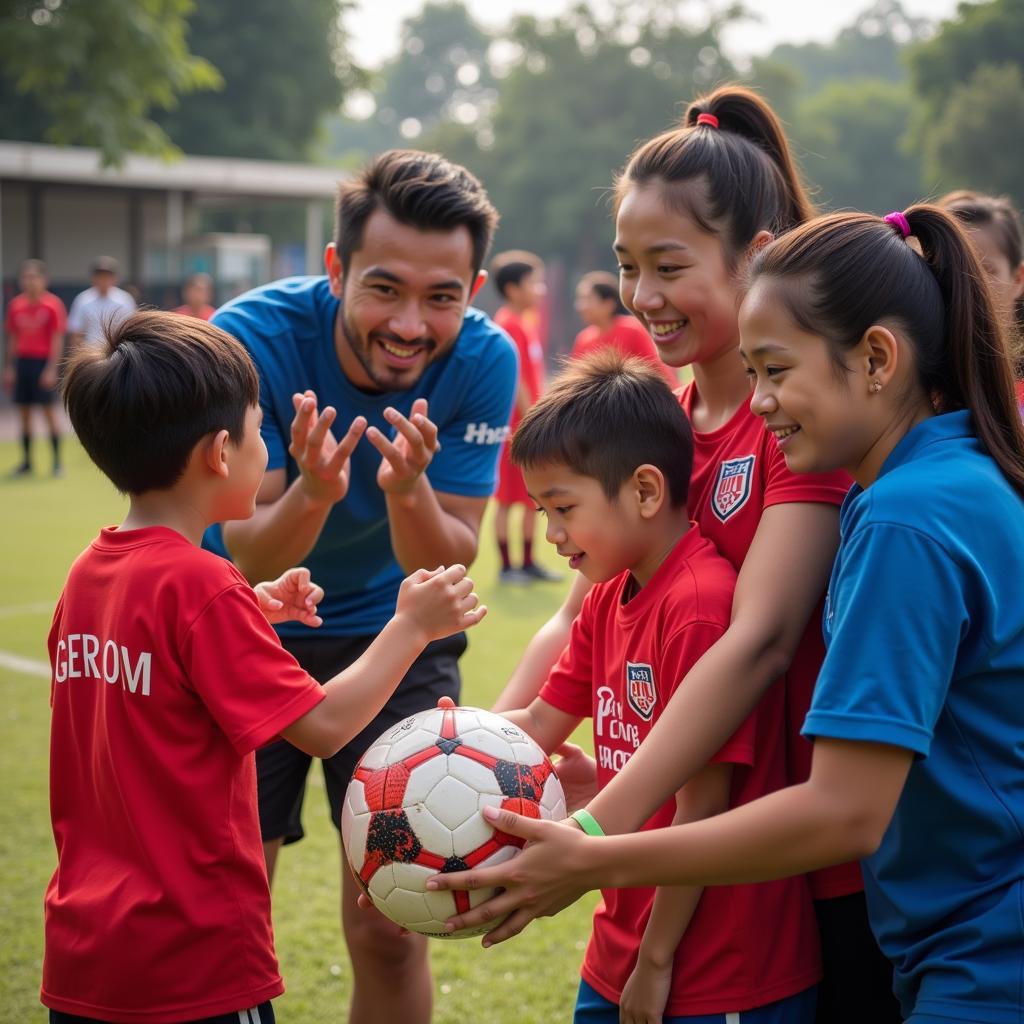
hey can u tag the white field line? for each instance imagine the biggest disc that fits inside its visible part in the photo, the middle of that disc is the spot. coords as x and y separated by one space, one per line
13 611
29 666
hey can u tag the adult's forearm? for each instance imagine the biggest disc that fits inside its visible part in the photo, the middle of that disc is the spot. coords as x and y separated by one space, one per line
423 535
789 832
279 535
719 692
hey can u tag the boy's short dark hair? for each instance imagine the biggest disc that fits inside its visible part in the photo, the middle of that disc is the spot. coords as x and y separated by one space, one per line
160 382
420 189
511 267
604 416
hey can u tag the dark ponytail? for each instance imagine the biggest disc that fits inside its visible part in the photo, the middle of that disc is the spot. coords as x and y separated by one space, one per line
741 173
855 270
979 364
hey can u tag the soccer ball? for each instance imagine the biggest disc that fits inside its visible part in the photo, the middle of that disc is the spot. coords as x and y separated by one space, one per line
412 809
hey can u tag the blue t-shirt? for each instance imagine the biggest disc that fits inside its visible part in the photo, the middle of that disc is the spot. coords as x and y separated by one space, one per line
288 328
924 624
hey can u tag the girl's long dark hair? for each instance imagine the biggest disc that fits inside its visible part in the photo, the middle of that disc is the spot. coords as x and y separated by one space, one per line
856 270
743 176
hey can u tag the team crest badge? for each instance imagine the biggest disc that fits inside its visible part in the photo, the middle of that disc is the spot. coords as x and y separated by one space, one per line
641 694
732 488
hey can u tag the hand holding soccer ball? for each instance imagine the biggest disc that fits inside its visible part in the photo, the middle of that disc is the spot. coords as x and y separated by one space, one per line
413 809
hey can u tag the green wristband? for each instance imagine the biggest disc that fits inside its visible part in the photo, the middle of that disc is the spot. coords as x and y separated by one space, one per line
587 822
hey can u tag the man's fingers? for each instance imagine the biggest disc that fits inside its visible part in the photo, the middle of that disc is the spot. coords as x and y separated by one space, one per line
315 439
387 449
305 411
346 446
413 435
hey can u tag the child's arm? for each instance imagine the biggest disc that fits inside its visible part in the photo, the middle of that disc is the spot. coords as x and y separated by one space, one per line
431 604
647 990
548 726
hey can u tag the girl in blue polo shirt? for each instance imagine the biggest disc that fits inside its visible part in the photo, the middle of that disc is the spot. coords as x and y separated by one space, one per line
874 345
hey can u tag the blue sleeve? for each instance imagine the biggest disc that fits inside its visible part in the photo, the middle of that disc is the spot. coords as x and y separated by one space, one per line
275 435
471 439
896 618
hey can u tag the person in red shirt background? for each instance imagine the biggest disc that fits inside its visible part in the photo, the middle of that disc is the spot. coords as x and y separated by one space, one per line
34 324
197 291
167 676
662 597
600 308
519 278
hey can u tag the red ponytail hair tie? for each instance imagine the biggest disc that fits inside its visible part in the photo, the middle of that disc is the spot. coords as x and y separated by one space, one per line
899 222
708 119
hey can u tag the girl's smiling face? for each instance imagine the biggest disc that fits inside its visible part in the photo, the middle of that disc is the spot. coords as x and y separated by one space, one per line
823 415
674 277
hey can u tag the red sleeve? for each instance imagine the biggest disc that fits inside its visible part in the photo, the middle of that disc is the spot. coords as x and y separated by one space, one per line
680 653
783 486
570 684
250 684
60 314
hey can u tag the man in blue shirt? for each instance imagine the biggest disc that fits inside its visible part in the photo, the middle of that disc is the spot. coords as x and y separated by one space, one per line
385 342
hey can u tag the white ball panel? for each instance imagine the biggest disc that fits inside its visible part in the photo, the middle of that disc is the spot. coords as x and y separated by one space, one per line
355 797
528 753
354 830
475 775
376 756
382 882
433 835
411 743
489 742
472 834
552 801
424 777
452 802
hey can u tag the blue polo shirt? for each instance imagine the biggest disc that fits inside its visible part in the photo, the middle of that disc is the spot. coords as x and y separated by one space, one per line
288 328
924 625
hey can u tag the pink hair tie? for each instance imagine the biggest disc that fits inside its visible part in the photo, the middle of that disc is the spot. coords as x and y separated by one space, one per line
899 222
708 119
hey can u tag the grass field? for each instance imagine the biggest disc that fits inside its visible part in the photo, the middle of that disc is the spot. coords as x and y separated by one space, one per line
43 526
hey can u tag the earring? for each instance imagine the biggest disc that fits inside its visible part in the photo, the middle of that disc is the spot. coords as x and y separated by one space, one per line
876 386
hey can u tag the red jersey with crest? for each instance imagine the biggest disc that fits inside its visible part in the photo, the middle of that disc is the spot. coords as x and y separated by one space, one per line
166 678
629 337
511 488
746 945
738 472
33 324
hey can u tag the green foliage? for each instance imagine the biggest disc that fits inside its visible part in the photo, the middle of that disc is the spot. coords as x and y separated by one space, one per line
982 33
284 66
979 142
852 139
96 70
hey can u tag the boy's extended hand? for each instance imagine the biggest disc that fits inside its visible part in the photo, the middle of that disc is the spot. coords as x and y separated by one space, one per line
645 994
292 597
439 602
577 772
405 458
323 462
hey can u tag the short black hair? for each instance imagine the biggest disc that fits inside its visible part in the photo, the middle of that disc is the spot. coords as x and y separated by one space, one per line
158 384
511 267
419 189
605 415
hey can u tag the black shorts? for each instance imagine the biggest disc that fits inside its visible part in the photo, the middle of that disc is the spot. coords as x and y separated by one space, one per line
262 1014
281 769
856 985
27 387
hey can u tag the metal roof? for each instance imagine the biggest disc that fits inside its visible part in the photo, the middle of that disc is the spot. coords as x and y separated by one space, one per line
29 161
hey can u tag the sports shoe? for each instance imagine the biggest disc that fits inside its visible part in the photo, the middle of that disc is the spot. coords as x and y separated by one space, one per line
515 577
57 472
540 574
23 470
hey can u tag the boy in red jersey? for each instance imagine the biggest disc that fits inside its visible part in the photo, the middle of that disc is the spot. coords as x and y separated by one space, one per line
35 343
197 291
167 676
519 278
662 597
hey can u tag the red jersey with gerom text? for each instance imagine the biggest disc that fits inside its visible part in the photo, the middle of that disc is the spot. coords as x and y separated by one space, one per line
34 324
738 472
746 945
166 678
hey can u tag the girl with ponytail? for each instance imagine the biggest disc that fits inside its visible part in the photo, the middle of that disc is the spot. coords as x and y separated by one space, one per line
692 207
874 345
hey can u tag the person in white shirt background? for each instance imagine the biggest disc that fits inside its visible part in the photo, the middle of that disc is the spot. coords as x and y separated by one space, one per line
102 305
